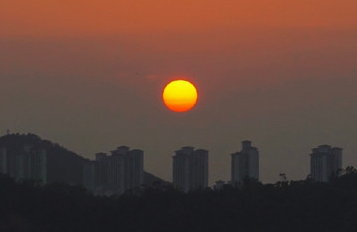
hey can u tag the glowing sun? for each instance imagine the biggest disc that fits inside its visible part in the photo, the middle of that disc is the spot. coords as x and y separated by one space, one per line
180 95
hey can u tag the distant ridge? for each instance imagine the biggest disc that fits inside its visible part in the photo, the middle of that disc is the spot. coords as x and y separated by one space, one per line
150 179
66 165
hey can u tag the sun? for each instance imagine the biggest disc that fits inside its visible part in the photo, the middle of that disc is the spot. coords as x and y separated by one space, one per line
180 95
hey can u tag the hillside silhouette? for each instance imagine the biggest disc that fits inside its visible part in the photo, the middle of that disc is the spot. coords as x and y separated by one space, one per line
286 206
64 205
63 165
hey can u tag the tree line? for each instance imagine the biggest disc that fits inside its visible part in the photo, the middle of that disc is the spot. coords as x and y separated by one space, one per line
286 206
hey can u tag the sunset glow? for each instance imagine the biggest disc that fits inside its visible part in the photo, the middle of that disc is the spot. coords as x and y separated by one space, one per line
180 95
280 73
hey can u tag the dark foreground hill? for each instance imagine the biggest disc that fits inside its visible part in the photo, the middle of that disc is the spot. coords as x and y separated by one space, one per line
300 206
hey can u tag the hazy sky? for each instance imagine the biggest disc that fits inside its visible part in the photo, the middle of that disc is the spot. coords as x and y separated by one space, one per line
89 76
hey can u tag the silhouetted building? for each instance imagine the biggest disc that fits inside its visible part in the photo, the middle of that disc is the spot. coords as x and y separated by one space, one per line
245 163
89 169
190 169
134 169
34 163
325 161
122 170
30 162
27 156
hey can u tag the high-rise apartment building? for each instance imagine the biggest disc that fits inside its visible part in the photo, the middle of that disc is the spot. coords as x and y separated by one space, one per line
28 162
134 166
190 169
325 161
89 177
245 163
113 174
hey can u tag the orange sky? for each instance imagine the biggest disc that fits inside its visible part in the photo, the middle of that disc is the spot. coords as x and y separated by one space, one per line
96 17
88 74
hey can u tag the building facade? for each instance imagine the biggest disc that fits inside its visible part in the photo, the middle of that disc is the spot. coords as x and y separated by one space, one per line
28 163
325 161
115 173
245 163
190 169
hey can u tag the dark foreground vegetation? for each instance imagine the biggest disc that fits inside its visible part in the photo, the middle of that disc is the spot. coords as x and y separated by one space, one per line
285 206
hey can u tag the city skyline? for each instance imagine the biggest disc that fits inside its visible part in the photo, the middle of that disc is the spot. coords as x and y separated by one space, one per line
90 75
190 115
123 169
